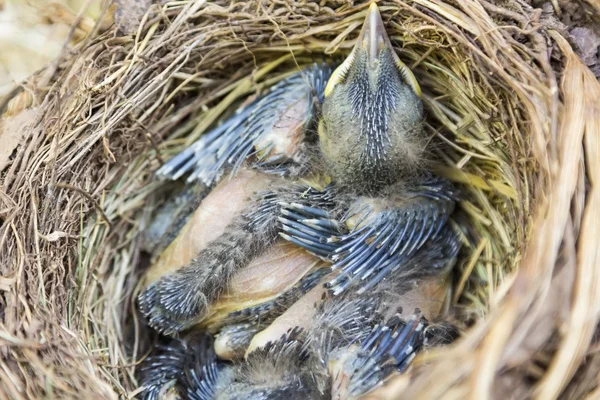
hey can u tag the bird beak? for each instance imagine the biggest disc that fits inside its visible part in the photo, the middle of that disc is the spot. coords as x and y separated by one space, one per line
373 38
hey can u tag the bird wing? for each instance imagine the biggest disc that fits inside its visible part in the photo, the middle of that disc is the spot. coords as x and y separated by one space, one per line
191 362
270 130
388 348
415 231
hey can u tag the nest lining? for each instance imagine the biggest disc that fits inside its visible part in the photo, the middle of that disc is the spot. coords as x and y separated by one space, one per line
77 189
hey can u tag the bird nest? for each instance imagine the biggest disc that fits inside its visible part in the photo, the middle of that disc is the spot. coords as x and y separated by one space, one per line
513 109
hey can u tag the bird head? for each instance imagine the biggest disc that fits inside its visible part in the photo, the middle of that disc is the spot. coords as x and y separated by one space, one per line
370 132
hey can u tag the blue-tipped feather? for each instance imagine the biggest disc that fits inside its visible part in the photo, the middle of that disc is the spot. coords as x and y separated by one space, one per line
392 239
237 139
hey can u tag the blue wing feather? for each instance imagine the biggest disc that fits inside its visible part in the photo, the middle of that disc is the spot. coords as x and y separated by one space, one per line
391 240
237 139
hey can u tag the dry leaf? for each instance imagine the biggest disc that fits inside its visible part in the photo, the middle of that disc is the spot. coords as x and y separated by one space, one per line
12 132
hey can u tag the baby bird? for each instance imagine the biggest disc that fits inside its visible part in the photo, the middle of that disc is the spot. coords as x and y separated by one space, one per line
347 346
357 196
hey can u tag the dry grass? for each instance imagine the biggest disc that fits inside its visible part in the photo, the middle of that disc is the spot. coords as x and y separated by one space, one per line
85 134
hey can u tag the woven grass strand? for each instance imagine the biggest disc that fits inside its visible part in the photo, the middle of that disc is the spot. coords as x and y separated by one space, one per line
101 118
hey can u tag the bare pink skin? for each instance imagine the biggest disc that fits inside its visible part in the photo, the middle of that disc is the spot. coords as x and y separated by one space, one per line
287 132
209 221
427 295
299 314
265 278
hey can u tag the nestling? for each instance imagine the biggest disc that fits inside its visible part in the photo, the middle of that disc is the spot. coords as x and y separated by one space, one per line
359 212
